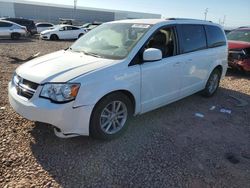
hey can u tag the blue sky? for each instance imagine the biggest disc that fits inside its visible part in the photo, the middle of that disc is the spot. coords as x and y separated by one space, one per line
237 13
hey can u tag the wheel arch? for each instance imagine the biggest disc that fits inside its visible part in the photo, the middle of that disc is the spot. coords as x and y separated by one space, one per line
54 35
127 93
80 34
220 68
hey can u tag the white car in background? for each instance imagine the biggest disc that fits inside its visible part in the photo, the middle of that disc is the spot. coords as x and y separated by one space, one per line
42 26
11 30
59 32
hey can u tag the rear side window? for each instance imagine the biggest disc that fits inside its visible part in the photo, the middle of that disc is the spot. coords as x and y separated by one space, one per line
215 36
44 25
75 28
4 24
48 25
193 38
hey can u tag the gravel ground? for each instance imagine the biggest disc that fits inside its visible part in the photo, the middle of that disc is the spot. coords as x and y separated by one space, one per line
168 147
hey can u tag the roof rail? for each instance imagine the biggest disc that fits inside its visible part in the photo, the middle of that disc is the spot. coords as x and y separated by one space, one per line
186 19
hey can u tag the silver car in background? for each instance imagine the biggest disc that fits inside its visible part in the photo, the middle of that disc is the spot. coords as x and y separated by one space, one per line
11 30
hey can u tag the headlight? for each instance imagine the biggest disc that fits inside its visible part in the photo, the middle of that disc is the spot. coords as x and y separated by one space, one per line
60 92
45 33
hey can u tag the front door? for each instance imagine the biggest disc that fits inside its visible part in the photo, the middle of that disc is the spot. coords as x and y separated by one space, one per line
160 80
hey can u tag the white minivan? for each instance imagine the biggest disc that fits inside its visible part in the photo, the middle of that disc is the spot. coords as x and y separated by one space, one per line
120 69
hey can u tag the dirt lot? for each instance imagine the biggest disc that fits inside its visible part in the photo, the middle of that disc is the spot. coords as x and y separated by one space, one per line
169 147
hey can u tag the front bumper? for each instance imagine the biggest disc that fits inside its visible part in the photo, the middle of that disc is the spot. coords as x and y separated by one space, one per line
45 37
65 117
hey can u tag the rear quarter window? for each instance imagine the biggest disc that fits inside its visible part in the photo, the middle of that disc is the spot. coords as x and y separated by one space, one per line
215 36
47 25
5 24
44 25
193 38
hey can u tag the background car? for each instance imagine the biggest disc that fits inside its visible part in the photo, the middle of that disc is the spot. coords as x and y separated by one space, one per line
227 31
43 26
29 24
239 49
12 30
63 32
90 26
66 21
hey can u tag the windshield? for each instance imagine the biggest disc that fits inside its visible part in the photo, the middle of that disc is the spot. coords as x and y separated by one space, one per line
239 35
112 40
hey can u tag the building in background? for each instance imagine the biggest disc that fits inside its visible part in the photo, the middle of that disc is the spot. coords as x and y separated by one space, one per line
38 11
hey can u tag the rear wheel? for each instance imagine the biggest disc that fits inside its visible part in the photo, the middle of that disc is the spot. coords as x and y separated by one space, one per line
110 115
212 83
54 37
15 36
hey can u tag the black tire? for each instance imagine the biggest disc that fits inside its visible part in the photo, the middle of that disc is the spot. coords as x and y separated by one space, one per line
211 89
54 37
15 36
81 34
95 121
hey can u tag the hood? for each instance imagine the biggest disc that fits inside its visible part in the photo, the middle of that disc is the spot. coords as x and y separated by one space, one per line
233 44
61 66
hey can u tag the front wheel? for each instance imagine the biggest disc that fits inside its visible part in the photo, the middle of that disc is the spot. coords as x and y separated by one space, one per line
54 37
212 83
110 116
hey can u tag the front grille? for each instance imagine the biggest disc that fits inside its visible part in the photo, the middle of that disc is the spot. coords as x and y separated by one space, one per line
25 88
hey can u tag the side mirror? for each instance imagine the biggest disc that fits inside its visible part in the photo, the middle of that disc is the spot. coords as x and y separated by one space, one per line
152 54
61 29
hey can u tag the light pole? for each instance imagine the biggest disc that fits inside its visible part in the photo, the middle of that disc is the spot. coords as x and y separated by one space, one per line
205 13
75 2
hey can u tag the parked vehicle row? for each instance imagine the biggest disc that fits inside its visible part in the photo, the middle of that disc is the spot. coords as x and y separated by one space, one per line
37 28
118 70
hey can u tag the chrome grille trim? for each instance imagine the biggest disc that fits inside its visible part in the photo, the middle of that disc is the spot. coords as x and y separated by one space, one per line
25 88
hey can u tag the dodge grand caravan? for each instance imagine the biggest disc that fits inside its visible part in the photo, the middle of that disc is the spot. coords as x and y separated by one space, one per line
119 69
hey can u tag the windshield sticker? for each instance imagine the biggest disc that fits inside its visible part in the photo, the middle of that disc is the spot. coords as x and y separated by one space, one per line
144 26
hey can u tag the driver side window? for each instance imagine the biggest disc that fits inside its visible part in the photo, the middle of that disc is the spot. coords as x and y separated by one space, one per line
164 40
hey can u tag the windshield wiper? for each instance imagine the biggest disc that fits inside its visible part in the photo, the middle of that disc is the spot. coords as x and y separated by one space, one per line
71 49
86 53
92 54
